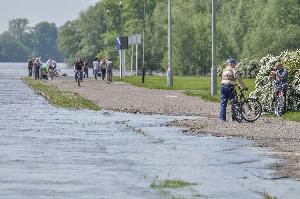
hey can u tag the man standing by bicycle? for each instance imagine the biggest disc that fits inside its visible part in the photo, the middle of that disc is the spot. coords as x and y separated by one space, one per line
281 77
229 77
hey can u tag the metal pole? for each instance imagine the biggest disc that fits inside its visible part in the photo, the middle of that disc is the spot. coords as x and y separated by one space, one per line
107 12
124 63
144 27
213 50
121 52
131 63
136 60
170 68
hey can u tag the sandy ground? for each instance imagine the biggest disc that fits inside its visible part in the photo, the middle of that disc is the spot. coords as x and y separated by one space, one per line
282 136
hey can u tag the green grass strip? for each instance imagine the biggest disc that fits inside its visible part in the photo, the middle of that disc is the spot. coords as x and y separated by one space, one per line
267 196
58 98
292 116
198 86
173 184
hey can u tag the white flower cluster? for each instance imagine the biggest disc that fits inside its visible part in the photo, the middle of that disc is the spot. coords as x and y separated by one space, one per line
265 88
246 68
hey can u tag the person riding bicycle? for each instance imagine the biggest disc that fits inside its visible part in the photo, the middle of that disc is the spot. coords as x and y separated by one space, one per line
78 67
229 77
280 74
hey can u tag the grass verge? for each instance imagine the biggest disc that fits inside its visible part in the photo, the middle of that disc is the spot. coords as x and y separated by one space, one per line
293 116
56 97
192 85
173 184
198 86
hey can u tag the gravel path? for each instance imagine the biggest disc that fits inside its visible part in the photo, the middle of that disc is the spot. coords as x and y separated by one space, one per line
282 136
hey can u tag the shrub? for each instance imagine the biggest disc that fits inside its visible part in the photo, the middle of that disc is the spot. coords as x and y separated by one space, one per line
264 88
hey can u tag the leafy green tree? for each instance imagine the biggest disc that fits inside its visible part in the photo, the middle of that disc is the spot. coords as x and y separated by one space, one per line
11 49
46 41
246 29
17 27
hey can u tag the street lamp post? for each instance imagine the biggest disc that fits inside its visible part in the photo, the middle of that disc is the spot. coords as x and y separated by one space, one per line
144 27
214 51
107 12
170 68
121 52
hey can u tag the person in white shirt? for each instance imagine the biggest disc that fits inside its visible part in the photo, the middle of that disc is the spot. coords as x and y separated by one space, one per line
96 67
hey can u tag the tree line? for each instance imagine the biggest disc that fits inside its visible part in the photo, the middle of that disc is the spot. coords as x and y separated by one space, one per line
22 41
245 29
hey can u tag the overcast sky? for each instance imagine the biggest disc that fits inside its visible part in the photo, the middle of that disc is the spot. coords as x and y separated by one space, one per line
56 11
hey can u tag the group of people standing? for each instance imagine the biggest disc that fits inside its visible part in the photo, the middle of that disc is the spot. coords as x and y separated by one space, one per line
101 68
35 67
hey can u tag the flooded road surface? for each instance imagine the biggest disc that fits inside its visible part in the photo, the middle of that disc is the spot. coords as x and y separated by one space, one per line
50 152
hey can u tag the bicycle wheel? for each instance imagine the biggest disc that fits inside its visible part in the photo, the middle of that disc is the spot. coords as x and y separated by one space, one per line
236 113
279 105
251 109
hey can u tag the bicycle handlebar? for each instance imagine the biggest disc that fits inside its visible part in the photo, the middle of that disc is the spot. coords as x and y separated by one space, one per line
242 89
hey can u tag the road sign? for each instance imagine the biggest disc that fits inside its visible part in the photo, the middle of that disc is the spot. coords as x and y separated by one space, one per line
122 43
134 39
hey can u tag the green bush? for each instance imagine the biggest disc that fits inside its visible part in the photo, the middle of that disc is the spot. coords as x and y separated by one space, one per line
264 88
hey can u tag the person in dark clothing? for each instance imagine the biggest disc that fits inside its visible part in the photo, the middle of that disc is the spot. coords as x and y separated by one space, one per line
78 67
109 69
30 66
37 66
86 69
103 68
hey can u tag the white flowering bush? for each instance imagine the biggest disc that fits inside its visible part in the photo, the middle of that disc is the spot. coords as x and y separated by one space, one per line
246 68
264 88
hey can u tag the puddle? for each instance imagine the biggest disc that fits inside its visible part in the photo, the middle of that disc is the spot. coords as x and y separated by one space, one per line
49 152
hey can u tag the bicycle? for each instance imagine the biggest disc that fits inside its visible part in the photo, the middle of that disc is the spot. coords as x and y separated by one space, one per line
279 103
243 108
78 77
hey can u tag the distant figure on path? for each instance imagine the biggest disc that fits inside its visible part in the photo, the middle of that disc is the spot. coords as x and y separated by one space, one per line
51 65
109 68
78 67
37 66
103 68
30 65
96 67
86 69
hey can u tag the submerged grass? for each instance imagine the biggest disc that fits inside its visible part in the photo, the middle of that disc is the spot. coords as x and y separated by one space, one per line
173 184
58 98
267 196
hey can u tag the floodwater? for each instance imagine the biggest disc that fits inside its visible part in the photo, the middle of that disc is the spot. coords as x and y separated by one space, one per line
50 152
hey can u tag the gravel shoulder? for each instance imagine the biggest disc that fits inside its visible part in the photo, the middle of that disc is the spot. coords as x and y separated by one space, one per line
282 136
